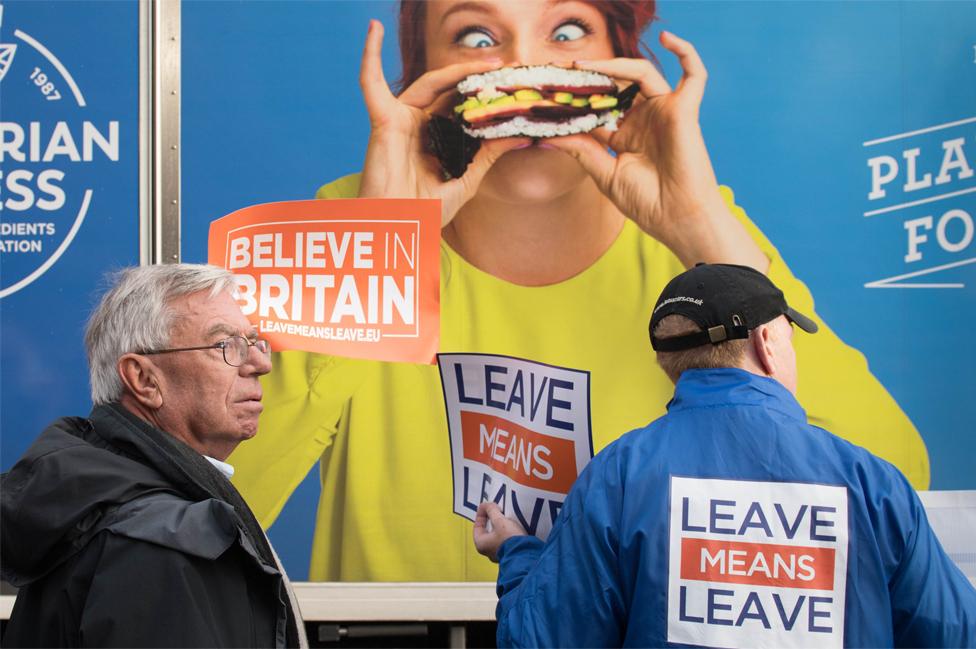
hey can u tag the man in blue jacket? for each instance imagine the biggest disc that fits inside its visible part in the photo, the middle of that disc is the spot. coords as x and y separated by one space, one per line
730 522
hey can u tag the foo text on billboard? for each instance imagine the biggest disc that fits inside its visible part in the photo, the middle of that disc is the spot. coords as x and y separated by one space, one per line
348 277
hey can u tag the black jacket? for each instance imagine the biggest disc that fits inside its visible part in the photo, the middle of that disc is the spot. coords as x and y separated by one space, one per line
117 534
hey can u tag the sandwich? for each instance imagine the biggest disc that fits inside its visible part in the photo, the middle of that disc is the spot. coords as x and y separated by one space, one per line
536 101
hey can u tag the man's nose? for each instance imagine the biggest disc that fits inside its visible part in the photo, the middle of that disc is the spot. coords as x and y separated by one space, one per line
257 362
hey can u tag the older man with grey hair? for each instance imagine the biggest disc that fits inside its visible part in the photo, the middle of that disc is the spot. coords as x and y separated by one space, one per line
122 528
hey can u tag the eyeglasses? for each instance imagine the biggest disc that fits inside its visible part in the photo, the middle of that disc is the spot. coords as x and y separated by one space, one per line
235 349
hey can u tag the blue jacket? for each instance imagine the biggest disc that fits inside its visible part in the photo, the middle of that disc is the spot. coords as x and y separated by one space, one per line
732 522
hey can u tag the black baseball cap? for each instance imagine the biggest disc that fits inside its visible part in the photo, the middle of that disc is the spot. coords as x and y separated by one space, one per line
726 301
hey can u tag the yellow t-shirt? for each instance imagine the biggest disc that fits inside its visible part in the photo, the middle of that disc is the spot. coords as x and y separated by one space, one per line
380 429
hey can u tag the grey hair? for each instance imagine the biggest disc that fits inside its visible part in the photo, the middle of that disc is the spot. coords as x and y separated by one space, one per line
136 314
728 353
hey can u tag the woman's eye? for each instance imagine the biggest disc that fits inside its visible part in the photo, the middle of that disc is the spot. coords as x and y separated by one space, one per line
475 38
568 32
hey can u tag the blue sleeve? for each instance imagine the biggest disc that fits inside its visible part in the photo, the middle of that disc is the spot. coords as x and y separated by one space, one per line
567 593
933 603
516 557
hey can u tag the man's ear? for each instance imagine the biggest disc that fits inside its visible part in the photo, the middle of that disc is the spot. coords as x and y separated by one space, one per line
763 346
140 376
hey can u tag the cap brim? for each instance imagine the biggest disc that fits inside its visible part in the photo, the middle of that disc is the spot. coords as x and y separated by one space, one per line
801 320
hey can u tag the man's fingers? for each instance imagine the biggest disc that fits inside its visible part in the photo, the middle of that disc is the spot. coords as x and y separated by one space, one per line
376 92
495 514
694 73
425 90
479 520
488 512
640 71
492 528
484 529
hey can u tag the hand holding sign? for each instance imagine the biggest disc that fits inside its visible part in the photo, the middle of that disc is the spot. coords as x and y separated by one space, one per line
489 538
520 435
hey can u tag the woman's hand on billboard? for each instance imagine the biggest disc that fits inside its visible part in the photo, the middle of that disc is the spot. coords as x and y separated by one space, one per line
492 528
661 175
397 164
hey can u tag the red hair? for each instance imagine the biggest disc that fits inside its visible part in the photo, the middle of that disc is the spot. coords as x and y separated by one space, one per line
626 20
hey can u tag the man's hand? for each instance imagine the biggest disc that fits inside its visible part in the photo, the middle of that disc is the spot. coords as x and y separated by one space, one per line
488 540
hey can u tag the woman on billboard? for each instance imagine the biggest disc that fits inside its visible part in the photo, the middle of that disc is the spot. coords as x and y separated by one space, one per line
553 251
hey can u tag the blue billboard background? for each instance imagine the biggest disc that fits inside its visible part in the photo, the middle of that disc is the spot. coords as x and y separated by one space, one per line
812 110
69 196
272 110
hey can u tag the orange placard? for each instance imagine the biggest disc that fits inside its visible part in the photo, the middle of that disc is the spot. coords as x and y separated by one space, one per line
527 457
351 277
760 564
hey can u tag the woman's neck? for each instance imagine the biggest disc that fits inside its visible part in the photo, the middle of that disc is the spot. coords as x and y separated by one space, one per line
536 244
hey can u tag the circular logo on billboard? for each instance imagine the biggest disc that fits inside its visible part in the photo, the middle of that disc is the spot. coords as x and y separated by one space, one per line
53 148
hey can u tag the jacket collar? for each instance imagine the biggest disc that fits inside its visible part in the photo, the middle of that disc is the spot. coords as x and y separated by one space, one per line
140 440
732 386
196 477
